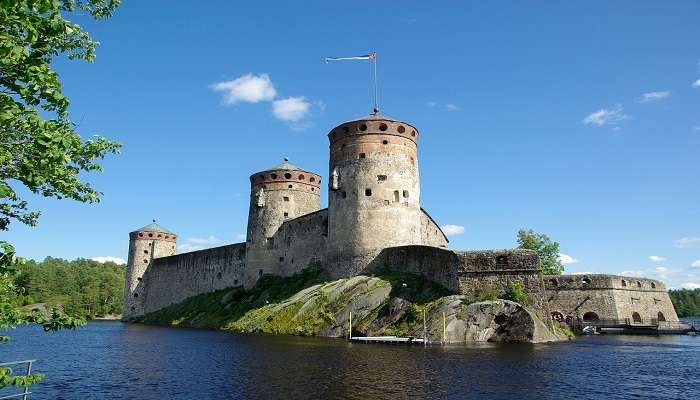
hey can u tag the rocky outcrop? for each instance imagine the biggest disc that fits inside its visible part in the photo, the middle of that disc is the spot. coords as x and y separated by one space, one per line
393 304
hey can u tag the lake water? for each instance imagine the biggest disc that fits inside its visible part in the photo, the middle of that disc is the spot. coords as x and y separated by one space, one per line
112 360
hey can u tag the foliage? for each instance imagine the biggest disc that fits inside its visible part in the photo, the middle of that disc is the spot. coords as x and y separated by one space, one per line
686 302
7 379
546 249
81 287
515 291
39 146
484 292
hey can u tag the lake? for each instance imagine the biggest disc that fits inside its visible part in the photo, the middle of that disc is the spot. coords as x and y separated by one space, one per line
112 360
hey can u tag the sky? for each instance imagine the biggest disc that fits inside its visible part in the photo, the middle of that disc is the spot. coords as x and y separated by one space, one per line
578 120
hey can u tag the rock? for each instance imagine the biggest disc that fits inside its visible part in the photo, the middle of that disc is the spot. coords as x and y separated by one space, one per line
391 313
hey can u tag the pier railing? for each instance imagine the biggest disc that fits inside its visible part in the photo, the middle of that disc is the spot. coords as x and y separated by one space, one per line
25 393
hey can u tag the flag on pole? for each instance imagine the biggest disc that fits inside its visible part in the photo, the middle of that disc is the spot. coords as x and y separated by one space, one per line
371 56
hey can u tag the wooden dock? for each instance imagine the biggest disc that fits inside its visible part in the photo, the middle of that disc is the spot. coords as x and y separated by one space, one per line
387 339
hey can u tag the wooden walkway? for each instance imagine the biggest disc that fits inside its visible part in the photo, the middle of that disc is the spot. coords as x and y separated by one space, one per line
387 339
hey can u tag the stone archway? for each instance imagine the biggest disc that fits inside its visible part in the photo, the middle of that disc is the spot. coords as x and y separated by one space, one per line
636 318
590 317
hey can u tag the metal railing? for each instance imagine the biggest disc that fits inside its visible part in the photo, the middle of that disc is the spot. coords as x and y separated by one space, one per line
25 393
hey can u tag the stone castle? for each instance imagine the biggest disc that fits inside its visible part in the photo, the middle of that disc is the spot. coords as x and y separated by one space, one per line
374 221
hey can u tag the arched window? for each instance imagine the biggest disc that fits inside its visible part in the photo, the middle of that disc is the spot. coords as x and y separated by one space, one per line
585 281
660 316
653 285
590 317
554 282
636 318
639 284
624 283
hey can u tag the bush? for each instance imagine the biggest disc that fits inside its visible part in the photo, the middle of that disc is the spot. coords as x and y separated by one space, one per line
516 292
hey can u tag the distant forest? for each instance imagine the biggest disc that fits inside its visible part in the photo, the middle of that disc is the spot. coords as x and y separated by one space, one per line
83 288
686 301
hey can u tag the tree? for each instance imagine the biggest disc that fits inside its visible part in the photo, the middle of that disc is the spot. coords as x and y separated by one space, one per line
39 145
546 249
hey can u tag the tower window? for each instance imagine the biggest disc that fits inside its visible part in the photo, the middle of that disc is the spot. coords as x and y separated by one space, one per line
401 129
312 179
136 295
363 127
260 272
150 235
362 155
313 189
145 252
385 141
133 308
145 261
287 175
368 192
382 127
273 176
286 214
344 194
218 275
346 129
396 196
285 198
301 177
235 281
281 259
381 178
343 145
289 186
413 133
405 194
270 242
139 279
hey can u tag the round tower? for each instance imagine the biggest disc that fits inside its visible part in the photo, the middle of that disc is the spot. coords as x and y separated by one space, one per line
374 197
277 194
145 244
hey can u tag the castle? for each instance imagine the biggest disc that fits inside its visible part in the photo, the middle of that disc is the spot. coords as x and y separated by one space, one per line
374 221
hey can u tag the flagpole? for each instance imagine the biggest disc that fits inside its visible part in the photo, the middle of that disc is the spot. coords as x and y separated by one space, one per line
376 88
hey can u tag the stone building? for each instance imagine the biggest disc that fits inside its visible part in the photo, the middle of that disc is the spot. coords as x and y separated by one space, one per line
598 297
374 221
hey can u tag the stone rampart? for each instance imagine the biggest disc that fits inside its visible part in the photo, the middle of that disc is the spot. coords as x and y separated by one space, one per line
169 280
609 297
302 241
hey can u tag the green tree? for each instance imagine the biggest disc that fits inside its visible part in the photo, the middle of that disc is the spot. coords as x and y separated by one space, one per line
547 249
40 148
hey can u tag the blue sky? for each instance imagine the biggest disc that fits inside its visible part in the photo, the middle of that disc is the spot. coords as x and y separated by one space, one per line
577 120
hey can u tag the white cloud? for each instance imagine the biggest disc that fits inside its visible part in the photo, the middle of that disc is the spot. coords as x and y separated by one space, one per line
291 109
634 273
567 259
104 259
657 258
691 285
696 84
583 273
606 117
687 242
452 229
695 264
194 244
451 107
654 96
247 88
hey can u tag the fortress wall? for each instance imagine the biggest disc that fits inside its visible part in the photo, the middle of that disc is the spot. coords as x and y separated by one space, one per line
468 272
302 241
609 297
172 279
493 269
430 232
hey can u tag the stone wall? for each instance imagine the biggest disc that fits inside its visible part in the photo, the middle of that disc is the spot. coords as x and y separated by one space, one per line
469 272
430 232
301 241
169 280
609 297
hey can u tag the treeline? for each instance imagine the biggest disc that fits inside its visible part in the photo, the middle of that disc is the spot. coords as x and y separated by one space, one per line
82 288
686 302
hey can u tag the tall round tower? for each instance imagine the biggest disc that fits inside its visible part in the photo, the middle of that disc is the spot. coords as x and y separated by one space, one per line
145 244
374 197
277 194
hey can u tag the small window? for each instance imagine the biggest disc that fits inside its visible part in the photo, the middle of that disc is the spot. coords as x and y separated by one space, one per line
289 186
150 235
218 275
235 281
313 189
287 176
273 176
139 279
346 129
624 283
368 192
281 259
362 155
554 282
344 194
396 196
270 242
386 202
301 177
285 198
140 234
145 252
133 308
653 285
413 133
401 129
363 127
385 141
312 179
639 284
585 281
286 214
136 295
260 272
343 145
383 127
145 261
381 178
405 194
